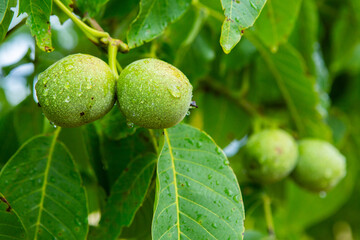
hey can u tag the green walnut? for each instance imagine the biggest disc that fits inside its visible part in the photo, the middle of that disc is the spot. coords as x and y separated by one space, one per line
270 155
320 165
76 90
153 94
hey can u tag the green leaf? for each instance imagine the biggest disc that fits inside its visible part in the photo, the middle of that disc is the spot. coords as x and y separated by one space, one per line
115 126
117 154
127 195
297 88
8 140
28 119
5 5
239 15
142 219
305 43
345 37
224 113
10 225
41 184
154 16
197 194
6 16
92 8
39 21
276 22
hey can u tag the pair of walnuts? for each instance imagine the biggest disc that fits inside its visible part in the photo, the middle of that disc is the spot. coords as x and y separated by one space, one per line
314 164
81 88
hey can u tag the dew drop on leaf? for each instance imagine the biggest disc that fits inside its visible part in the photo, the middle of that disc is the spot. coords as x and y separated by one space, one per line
228 192
237 198
130 124
322 194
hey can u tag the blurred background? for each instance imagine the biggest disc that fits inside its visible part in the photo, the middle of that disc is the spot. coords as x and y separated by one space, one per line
298 68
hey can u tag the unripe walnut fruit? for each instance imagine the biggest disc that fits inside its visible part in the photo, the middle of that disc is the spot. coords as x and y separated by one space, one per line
153 94
76 90
270 155
320 165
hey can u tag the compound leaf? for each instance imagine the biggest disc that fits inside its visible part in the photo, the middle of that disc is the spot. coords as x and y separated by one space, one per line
41 184
197 194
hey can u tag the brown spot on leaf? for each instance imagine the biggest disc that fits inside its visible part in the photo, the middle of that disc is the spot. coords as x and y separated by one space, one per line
82 114
7 203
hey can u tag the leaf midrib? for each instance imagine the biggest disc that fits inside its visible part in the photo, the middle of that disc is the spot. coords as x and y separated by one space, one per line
175 181
43 188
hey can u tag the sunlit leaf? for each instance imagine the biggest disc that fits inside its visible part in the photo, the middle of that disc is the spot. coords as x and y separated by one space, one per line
239 15
6 16
41 184
197 194
39 21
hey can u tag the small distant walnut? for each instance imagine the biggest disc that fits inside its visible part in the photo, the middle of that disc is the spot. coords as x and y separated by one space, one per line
270 156
320 167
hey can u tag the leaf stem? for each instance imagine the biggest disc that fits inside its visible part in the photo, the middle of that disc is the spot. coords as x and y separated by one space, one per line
268 215
201 14
154 141
242 102
119 67
112 50
93 34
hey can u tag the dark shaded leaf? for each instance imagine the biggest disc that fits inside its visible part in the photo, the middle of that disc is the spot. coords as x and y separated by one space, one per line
118 154
10 224
126 196
153 18
115 126
92 8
